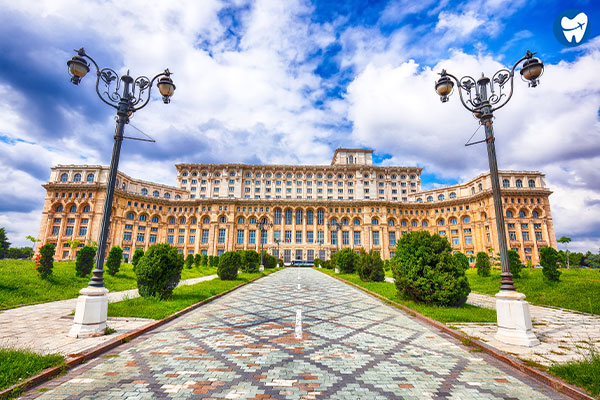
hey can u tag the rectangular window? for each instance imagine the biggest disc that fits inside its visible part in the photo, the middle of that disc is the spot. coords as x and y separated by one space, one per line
152 238
252 237
191 239
512 236
287 255
82 230
392 237
127 236
345 238
277 235
309 236
221 236
523 226
298 236
321 237
204 252
69 231
220 252
140 237
298 254
204 235
288 236
525 236
310 255
181 239
357 238
538 236
333 237
170 239
375 238
263 237
55 230
468 240
455 241
240 236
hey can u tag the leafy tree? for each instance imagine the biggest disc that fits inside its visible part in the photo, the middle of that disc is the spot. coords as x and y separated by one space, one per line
33 240
137 254
462 259
549 262
158 271
317 262
345 260
566 240
197 260
370 266
113 262
213 261
529 263
386 265
482 263
249 260
268 260
204 260
189 260
576 258
515 263
19 253
426 271
228 266
44 262
74 244
85 261
4 244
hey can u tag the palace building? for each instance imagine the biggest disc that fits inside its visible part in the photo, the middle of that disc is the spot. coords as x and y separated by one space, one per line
310 211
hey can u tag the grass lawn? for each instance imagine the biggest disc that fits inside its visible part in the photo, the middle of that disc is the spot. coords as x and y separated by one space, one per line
578 289
20 285
17 365
585 373
466 313
183 296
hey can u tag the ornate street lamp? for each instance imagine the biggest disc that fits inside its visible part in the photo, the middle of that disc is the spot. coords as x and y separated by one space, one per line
483 97
263 225
126 95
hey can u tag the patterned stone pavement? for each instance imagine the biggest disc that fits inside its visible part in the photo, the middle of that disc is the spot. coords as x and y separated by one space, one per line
295 334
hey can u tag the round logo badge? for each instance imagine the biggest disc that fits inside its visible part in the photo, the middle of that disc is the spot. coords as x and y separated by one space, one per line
571 28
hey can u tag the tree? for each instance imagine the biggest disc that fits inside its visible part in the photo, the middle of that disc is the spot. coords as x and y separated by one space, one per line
345 260
4 244
482 263
204 260
33 240
158 271
137 254
370 266
85 261
462 259
426 271
197 260
19 253
269 261
515 263
549 262
249 260
228 266
113 262
213 261
566 240
44 262
189 260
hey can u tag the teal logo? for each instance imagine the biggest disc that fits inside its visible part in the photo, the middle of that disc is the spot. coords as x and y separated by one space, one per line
571 28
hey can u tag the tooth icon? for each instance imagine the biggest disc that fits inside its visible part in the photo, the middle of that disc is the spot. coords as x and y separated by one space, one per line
575 28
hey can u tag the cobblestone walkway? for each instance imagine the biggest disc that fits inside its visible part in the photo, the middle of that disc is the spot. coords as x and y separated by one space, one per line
43 327
295 334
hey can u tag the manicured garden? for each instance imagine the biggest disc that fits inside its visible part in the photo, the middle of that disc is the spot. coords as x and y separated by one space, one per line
20 285
21 364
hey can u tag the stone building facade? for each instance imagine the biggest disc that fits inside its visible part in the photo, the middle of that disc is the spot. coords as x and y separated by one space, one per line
311 210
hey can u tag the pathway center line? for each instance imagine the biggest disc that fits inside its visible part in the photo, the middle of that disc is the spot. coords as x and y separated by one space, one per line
298 324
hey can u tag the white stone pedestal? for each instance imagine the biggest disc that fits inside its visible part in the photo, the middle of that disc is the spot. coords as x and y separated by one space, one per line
90 313
261 268
514 320
337 270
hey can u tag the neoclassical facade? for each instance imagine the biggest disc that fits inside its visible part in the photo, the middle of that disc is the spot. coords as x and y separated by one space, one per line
310 210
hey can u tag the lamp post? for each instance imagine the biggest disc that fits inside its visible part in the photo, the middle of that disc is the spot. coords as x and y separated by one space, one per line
320 243
262 225
483 97
278 255
126 95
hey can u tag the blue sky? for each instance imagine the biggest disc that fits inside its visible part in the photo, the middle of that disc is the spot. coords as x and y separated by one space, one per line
288 82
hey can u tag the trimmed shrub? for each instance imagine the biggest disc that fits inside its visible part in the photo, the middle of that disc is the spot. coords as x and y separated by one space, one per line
345 260
213 261
137 254
197 259
426 271
317 262
204 260
280 262
386 265
514 261
370 266
44 262
85 261
189 260
462 259
268 260
113 262
158 271
482 262
327 264
549 263
228 266
249 260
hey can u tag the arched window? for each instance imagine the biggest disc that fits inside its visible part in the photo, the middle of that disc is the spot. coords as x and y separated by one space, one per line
453 221
333 221
404 223
480 186
144 191
509 214
129 215
424 223
531 183
206 220
519 183
345 221
429 199
522 214
223 220
288 217
182 220
193 221
241 220
441 222
143 217
87 209
473 190
64 177
177 197
155 193
167 195
252 221
155 219
185 174
90 178
505 183
350 160
466 220
452 195
374 221
391 222
73 209
414 223
441 197
277 218
535 214
419 200
59 208
299 217
357 221
77 178
309 216
171 220
320 217
264 221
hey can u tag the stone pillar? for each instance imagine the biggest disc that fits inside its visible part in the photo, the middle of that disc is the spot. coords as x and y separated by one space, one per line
514 320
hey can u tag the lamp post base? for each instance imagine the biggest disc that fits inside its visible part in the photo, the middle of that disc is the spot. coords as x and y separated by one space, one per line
337 270
90 313
514 320
261 268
